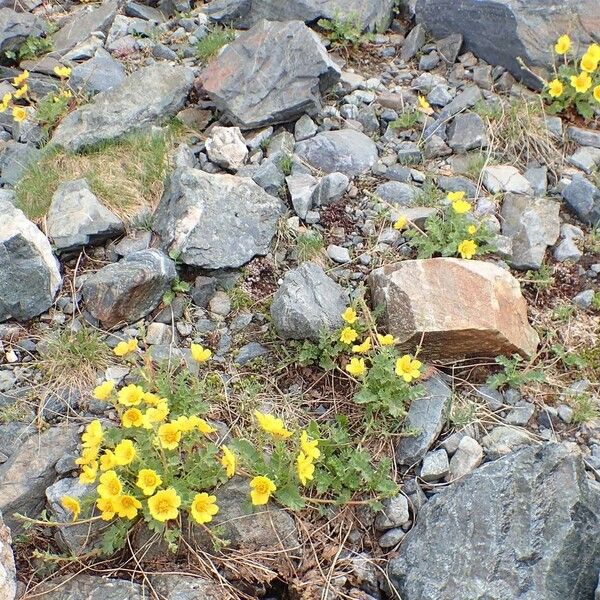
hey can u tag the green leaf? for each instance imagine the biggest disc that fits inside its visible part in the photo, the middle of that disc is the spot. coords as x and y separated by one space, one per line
289 496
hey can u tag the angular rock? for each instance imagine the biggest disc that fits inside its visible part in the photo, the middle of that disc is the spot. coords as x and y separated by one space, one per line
307 302
413 43
397 193
467 132
435 465
301 189
505 178
215 221
98 74
330 189
501 31
584 137
282 68
505 440
426 417
432 303
29 275
123 109
393 514
15 159
511 527
587 159
128 290
468 456
82 24
346 150
583 198
185 587
90 587
533 224
25 476
15 28
77 219
8 574
226 147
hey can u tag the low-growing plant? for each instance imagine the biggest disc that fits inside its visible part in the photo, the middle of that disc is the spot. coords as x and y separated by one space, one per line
406 120
178 286
596 301
585 408
542 279
308 245
213 41
451 232
576 82
31 48
343 31
515 374
286 163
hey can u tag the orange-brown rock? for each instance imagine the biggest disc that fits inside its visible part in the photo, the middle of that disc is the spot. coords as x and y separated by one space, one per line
454 308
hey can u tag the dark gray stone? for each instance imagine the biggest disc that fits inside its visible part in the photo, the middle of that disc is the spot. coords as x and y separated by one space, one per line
142 11
397 193
126 291
505 440
15 159
409 153
301 189
584 137
525 526
457 184
29 275
100 73
249 352
283 69
307 302
330 189
15 28
393 514
413 43
185 587
215 221
90 587
467 132
583 198
449 47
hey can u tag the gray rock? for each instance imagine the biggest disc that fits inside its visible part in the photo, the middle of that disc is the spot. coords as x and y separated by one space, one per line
128 290
25 476
449 47
391 538
142 11
409 153
586 159
397 193
15 160
226 147
204 289
584 137
137 240
505 178
16 27
518 515
435 465
220 304
467 132
346 151
504 440
82 24
538 180
466 99
533 224
393 514
215 221
160 333
77 219
565 413
468 456
304 128
440 95
482 76
307 302
492 397
430 61
583 198
185 587
123 110
567 251
268 175
282 67
249 352
98 74
29 275
89 587
457 184
330 189
338 254
301 189
501 31
520 414
413 43
8 574
435 147
584 299
426 417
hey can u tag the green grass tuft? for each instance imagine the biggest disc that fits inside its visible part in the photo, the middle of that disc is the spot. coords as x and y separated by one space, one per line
210 44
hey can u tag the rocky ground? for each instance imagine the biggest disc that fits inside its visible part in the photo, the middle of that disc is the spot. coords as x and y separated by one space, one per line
229 174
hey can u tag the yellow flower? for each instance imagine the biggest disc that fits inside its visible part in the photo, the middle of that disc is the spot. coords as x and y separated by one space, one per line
386 340
127 506
132 417
169 436
93 435
19 79
455 196
110 486
261 489
148 480
158 413
362 348
66 94
107 507
19 114
582 82
199 353
88 456
130 395
594 51
425 106
104 390
589 63
88 473
597 93
204 508
108 461
272 425
305 468
348 335
555 88
563 44
400 223
164 504
309 447
228 461
150 398
408 368
356 367
349 315
22 91
125 453
201 425
125 347
5 102
62 72
72 505
461 207
467 249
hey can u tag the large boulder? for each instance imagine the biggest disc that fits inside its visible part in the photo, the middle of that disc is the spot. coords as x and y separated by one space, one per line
15 28
282 68
29 275
453 308
501 31
128 290
307 303
216 221
525 526
372 15
345 151
150 94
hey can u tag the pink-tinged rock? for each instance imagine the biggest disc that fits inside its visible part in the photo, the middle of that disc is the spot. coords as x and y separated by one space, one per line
453 308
